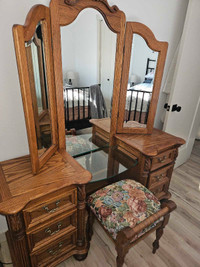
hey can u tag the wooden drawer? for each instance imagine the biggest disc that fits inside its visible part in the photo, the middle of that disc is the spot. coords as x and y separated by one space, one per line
161 190
50 253
47 207
161 175
57 227
163 159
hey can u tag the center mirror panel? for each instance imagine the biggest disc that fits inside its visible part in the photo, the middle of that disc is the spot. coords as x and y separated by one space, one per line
143 62
35 53
88 49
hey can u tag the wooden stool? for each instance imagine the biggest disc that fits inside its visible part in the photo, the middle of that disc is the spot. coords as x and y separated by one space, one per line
128 212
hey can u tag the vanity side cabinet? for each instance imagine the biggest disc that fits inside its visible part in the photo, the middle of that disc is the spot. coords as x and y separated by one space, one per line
49 229
153 171
46 213
156 155
156 172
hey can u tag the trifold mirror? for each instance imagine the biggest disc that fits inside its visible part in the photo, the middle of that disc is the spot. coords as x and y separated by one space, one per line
76 45
143 65
35 66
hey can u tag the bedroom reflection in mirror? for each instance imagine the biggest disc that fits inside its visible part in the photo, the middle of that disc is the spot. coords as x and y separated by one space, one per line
39 89
88 62
140 84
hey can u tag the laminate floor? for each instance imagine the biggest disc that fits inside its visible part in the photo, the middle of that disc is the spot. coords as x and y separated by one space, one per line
180 244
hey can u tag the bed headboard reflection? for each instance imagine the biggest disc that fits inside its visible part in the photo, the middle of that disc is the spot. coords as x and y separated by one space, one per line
150 65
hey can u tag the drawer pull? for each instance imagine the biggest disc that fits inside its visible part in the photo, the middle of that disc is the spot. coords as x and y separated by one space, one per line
161 160
159 177
55 252
46 208
156 191
48 230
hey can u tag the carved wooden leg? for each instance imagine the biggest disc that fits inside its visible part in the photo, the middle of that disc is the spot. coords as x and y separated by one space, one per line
17 240
159 233
81 224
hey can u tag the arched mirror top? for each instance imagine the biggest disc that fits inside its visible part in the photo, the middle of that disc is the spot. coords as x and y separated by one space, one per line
37 13
68 11
147 34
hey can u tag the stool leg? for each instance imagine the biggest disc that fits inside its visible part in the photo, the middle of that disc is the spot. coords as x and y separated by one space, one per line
90 224
159 233
121 253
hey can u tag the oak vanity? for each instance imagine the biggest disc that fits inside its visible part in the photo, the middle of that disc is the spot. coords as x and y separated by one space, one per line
43 194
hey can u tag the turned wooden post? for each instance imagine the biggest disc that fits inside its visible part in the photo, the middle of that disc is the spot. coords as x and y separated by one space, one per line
81 224
81 215
17 240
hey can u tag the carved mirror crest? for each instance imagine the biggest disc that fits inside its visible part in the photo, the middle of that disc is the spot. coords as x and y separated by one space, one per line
141 79
35 66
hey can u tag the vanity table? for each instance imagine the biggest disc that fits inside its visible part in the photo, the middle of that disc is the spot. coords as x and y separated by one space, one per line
43 194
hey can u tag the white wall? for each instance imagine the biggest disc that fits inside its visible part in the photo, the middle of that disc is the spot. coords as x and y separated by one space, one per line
79 48
165 19
186 85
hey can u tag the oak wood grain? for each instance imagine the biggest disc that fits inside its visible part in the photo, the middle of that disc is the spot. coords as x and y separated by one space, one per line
23 186
149 145
21 34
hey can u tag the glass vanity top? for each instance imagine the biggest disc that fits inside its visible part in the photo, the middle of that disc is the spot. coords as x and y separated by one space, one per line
77 145
103 162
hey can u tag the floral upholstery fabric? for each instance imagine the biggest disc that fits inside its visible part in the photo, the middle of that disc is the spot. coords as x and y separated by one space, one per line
76 145
123 204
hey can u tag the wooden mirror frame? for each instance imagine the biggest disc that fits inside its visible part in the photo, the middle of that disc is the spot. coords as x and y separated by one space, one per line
161 47
64 12
21 35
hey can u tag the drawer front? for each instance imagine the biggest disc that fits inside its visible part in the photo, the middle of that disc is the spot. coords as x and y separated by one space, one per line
161 191
163 159
57 227
162 175
53 251
49 206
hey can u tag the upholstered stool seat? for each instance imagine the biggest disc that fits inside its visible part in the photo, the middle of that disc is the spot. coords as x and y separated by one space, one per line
128 211
123 204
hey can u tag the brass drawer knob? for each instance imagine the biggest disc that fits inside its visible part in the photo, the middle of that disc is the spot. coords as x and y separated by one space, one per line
159 177
46 208
49 231
55 252
161 160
